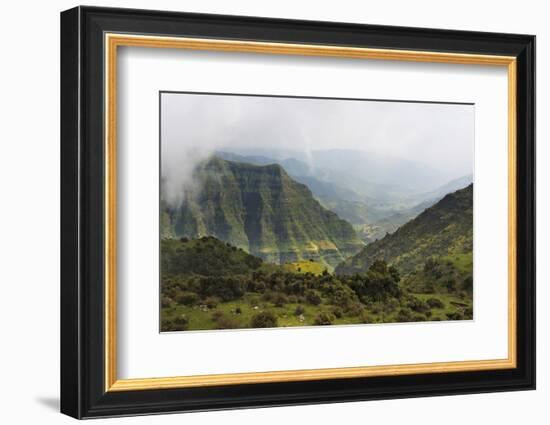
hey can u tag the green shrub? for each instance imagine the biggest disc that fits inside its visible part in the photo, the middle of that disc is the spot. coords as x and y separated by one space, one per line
435 303
416 304
292 299
165 325
313 297
337 312
226 322
166 302
354 309
418 317
323 319
299 310
468 284
264 319
456 315
279 299
180 323
211 302
366 317
216 315
187 298
404 315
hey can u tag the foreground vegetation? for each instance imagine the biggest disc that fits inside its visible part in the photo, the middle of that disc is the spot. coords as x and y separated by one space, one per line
208 284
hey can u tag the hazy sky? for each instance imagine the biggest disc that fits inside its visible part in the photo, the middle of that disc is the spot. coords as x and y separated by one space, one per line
193 126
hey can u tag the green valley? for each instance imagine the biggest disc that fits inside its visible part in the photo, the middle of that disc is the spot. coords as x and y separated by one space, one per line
210 284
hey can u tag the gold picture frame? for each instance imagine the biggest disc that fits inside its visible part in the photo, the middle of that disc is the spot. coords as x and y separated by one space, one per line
114 41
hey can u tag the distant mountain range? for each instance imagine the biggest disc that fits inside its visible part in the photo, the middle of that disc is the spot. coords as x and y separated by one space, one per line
262 210
444 230
375 209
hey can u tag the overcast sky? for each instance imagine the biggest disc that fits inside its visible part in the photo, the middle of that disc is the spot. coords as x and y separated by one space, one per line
194 125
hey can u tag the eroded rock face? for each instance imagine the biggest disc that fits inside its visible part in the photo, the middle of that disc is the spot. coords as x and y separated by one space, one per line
261 210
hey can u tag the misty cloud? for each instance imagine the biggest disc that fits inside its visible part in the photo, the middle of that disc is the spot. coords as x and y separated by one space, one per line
193 126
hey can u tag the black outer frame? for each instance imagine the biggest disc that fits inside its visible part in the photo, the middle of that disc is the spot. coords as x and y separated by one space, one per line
82 219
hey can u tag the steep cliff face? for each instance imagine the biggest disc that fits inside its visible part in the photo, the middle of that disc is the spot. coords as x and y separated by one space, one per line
444 230
261 210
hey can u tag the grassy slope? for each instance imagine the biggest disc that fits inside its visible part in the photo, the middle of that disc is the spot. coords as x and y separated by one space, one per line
307 267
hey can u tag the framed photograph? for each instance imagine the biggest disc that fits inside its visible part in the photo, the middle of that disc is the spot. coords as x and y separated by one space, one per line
261 212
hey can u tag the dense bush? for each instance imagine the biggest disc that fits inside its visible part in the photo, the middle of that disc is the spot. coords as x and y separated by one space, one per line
180 323
416 304
226 322
435 303
456 315
299 310
313 297
278 298
323 318
405 315
379 284
187 298
338 312
211 302
366 317
264 319
226 288
468 284
166 302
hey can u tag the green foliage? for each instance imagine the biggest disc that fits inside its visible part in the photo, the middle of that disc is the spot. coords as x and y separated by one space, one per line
205 256
299 310
211 302
418 305
166 302
264 319
435 303
187 298
270 295
456 315
437 276
378 284
224 321
180 323
324 318
313 297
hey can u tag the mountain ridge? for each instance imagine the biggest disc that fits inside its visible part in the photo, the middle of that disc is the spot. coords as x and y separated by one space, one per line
262 210
442 229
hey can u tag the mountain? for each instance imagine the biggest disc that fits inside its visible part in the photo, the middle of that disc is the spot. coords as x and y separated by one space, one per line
369 174
451 186
345 202
261 210
367 190
443 230
389 223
